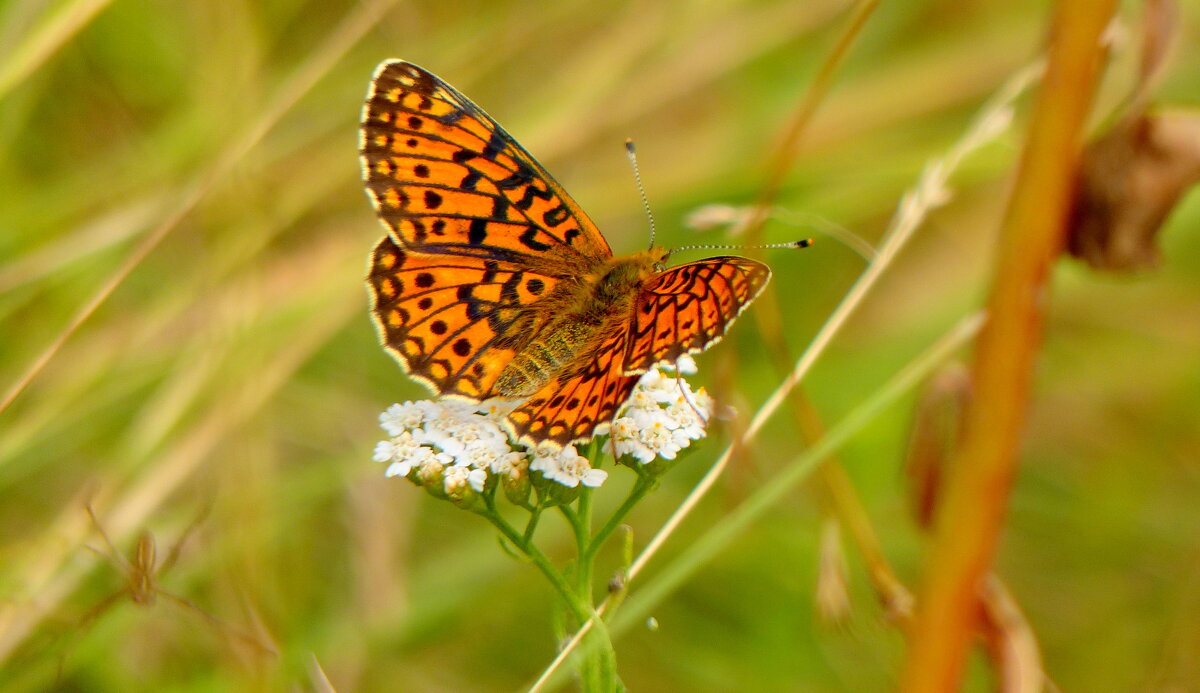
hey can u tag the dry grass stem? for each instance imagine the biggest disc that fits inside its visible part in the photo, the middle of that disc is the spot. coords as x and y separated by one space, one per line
970 515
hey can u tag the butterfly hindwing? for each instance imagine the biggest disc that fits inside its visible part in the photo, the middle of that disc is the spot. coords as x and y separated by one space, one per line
580 403
446 178
687 308
454 322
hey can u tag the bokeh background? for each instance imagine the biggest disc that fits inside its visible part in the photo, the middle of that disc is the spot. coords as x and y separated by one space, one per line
199 160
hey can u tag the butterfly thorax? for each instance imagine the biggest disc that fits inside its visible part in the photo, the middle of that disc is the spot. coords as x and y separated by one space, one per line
596 304
616 286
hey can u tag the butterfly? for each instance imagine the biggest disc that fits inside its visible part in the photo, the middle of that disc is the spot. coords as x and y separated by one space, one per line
491 282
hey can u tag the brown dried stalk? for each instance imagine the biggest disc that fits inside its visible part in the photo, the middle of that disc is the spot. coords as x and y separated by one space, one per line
969 520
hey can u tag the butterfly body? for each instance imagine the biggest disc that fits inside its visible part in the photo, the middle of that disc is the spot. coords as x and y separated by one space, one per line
492 282
592 310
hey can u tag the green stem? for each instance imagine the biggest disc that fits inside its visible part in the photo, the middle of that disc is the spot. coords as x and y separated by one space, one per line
641 487
598 668
592 667
583 521
534 515
579 608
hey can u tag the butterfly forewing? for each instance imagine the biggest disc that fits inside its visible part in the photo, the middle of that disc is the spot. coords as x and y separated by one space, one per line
446 178
687 308
454 322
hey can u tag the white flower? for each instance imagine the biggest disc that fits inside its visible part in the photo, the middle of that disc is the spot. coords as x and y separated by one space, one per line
628 441
456 480
477 478
400 469
404 452
567 467
661 439
545 459
475 455
450 433
510 464
577 470
685 364
385 451
690 413
403 417
430 467
460 443
662 416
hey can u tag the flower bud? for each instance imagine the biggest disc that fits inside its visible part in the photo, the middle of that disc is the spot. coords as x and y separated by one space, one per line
431 475
515 482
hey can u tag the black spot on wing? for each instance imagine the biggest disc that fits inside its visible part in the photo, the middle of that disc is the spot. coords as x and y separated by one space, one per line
494 146
477 233
531 192
554 217
470 180
529 240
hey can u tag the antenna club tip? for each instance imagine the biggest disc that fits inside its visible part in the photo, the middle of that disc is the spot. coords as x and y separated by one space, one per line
803 243
629 144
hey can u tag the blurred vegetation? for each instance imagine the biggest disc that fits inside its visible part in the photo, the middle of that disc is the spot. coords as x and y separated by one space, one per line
200 159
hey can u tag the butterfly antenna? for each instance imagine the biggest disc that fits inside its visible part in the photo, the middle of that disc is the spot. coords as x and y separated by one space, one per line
637 177
802 243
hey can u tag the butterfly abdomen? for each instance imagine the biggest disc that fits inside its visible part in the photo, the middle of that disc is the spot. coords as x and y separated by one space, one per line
544 358
588 308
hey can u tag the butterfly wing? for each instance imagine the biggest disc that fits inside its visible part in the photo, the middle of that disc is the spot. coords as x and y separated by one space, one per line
454 322
687 308
479 234
580 403
447 179
482 247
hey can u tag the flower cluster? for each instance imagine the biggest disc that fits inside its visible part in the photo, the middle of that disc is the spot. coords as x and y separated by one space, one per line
663 415
456 449
448 447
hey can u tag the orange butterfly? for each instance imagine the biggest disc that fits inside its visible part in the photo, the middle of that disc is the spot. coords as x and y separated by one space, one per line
492 282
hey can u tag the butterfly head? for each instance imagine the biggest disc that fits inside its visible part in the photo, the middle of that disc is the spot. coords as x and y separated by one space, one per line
623 277
658 258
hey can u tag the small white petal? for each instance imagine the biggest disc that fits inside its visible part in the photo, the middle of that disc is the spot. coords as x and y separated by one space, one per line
477 478
402 417
593 478
385 451
398 469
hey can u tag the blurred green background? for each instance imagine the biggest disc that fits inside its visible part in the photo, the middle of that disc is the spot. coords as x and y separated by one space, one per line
210 149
